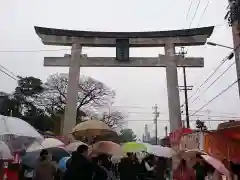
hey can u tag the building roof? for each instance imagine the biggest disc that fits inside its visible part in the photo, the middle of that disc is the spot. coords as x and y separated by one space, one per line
145 34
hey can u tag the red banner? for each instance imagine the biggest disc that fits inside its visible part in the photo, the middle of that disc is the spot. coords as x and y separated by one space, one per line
221 147
175 136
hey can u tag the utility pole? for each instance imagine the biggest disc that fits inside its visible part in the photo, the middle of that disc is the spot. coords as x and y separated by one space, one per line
156 115
185 87
208 118
166 131
233 20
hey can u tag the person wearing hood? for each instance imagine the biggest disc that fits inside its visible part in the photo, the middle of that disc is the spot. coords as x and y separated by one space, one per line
45 168
79 167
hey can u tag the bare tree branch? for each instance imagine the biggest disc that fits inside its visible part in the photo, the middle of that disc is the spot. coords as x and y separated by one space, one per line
113 119
90 93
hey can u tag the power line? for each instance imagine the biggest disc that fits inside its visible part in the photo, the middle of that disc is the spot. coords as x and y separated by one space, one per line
189 8
32 51
133 107
224 72
190 5
138 112
12 77
195 115
216 112
167 121
209 77
214 71
204 11
195 13
8 71
163 112
218 95
229 57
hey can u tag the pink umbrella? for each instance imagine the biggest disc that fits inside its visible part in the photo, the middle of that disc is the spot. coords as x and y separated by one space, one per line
106 147
218 165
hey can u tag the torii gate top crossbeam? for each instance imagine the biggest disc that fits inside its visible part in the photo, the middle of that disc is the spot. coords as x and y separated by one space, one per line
185 37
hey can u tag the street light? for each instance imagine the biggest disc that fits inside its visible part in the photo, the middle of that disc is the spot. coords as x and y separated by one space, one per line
236 52
215 44
230 56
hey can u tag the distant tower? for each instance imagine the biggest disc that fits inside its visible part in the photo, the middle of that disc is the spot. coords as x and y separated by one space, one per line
146 130
146 134
166 131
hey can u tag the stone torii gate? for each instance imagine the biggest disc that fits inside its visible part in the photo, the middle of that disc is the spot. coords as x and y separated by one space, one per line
123 41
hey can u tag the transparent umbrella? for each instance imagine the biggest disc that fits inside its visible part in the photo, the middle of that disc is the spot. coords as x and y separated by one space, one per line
5 152
47 143
18 134
30 159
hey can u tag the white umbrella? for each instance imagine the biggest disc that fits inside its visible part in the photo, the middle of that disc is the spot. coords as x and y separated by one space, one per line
148 146
47 143
161 151
74 145
190 153
5 152
18 134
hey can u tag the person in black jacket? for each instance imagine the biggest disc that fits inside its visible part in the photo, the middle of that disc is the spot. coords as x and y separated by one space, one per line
129 167
79 166
101 167
147 168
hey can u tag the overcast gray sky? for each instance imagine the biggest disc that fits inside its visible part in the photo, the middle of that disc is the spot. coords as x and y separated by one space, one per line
138 89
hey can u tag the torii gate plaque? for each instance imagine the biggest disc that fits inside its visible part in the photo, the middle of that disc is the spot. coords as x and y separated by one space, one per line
123 41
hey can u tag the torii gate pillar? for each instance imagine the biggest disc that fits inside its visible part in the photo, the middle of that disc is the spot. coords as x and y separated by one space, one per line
174 107
72 93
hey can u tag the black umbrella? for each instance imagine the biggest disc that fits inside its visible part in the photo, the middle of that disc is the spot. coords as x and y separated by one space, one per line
30 158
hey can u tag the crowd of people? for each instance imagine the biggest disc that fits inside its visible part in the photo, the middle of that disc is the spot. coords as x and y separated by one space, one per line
83 166
201 170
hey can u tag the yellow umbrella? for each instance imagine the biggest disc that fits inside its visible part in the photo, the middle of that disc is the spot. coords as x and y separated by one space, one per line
92 128
134 147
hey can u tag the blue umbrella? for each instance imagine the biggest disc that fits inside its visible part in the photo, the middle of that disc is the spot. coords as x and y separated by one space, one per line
30 158
62 163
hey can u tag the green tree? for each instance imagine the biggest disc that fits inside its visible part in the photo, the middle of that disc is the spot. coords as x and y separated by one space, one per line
127 135
21 103
9 105
29 87
27 90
